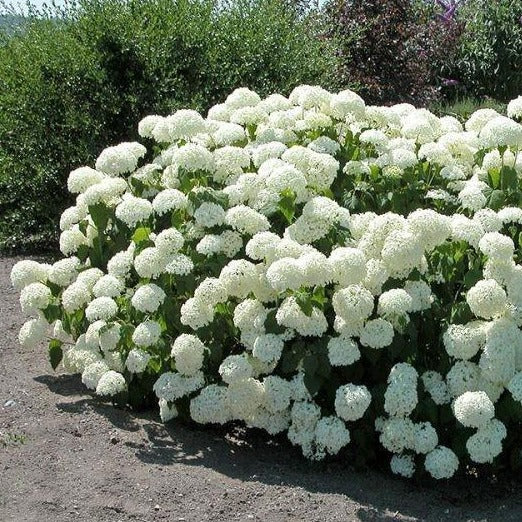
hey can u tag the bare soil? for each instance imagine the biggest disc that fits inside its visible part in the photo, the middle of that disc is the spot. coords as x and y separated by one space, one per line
66 456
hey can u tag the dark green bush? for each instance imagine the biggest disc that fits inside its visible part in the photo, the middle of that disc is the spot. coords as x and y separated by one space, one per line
75 81
489 59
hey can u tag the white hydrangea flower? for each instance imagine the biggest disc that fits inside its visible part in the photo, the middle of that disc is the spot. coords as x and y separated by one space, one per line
331 435
464 341
35 297
403 465
167 410
210 406
515 386
146 334
120 159
377 333
514 108
171 386
110 384
487 299
196 313
441 463
209 215
278 393
150 262
63 272
133 210
497 246
33 332
425 438
235 368
93 373
397 434
101 308
400 398
244 396
343 351
137 360
352 401
187 352
473 409
486 443
353 303
268 347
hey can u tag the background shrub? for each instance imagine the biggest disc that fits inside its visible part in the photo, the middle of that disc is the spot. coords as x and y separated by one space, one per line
489 57
73 80
393 50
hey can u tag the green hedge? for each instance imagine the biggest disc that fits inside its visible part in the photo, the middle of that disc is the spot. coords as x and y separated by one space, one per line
72 84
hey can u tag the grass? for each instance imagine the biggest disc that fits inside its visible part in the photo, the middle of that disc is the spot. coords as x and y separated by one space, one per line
462 108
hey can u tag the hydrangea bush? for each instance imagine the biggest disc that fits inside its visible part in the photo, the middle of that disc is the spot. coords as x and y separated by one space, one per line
348 274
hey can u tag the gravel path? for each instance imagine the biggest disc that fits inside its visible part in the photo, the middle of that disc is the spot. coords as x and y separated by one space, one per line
65 456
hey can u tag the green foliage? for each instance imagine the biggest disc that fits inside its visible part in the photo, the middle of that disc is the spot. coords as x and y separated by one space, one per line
462 108
489 59
76 80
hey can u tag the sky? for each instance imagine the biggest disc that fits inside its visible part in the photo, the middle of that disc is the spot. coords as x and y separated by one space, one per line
20 5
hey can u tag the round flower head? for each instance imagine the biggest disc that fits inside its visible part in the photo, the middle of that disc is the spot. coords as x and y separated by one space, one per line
342 351
496 245
210 406
486 443
351 401
353 303
486 299
146 334
137 360
188 352
331 434
101 308
473 409
377 333
33 332
26 272
514 108
148 298
122 158
464 341
111 383
93 373
403 465
441 463
34 297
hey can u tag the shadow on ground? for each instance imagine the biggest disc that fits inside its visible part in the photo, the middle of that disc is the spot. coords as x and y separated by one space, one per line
249 455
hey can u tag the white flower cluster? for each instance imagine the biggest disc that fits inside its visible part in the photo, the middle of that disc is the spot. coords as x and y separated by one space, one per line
273 264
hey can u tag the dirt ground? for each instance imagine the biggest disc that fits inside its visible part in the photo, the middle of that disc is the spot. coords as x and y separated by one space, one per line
64 456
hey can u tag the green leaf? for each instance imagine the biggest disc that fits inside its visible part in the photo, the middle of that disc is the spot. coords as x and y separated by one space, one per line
55 353
472 277
83 252
286 205
271 325
100 215
141 234
496 199
52 313
494 178
318 298
304 301
508 179
313 382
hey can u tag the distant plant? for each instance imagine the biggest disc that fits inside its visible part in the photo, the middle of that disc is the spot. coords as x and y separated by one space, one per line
393 50
489 58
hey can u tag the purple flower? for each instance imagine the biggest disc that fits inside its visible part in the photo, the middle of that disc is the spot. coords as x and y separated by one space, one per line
448 82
